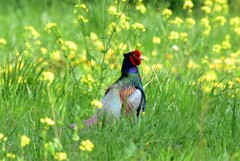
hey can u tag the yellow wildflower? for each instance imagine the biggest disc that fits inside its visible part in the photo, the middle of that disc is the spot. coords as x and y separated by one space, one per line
206 9
188 4
173 35
141 8
47 121
50 26
183 36
235 21
190 22
83 6
220 19
43 50
206 88
71 45
177 21
209 76
192 65
97 103
2 137
56 55
237 30
208 3
217 48
154 53
156 40
33 31
167 13
60 156
205 22
48 76
24 141
86 145
206 31
93 36
112 10
11 155
2 41
226 44
238 80
81 18
139 26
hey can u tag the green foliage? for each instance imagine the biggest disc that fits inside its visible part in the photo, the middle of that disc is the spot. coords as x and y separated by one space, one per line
56 57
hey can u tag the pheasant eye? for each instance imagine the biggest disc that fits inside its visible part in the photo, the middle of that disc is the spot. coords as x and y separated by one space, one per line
133 54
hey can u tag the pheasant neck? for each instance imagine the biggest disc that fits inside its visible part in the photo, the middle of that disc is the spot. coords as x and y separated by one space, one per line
128 68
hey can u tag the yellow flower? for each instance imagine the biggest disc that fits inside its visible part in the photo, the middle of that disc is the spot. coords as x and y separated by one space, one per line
217 48
183 36
220 19
93 36
71 45
86 145
235 21
226 44
2 137
11 155
43 50
190 22
205 22
208 3
56 55
47 121
79 7
112 10
60 156
188 4
167 13
50 26
97 103
2 41
141 8
139 26
48 76
237 30
81 18
156 40
192 65
177 21
206 9
33 31
154 53
83 6
173 35
206 31
24 141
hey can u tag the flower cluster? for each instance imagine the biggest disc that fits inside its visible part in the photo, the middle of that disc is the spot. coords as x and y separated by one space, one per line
86 145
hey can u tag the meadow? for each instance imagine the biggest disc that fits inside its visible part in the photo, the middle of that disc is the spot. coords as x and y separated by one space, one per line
58 57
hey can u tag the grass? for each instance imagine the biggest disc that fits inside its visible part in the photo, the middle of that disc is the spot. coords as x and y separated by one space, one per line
54 63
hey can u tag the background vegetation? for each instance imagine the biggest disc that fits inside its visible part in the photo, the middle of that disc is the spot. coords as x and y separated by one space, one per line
56 57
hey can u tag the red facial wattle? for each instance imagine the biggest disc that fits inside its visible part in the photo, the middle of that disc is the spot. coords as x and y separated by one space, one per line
135 57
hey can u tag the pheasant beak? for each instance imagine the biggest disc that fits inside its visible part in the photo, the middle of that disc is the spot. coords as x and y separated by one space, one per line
141 58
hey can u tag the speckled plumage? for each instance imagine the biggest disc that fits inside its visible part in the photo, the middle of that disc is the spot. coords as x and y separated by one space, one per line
126 94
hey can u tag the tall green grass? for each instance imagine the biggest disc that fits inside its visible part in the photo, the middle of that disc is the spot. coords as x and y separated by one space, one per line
190 115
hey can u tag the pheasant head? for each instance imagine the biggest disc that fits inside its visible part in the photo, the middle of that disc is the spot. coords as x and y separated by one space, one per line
131 61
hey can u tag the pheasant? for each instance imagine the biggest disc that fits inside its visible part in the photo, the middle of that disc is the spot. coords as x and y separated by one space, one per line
124 95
